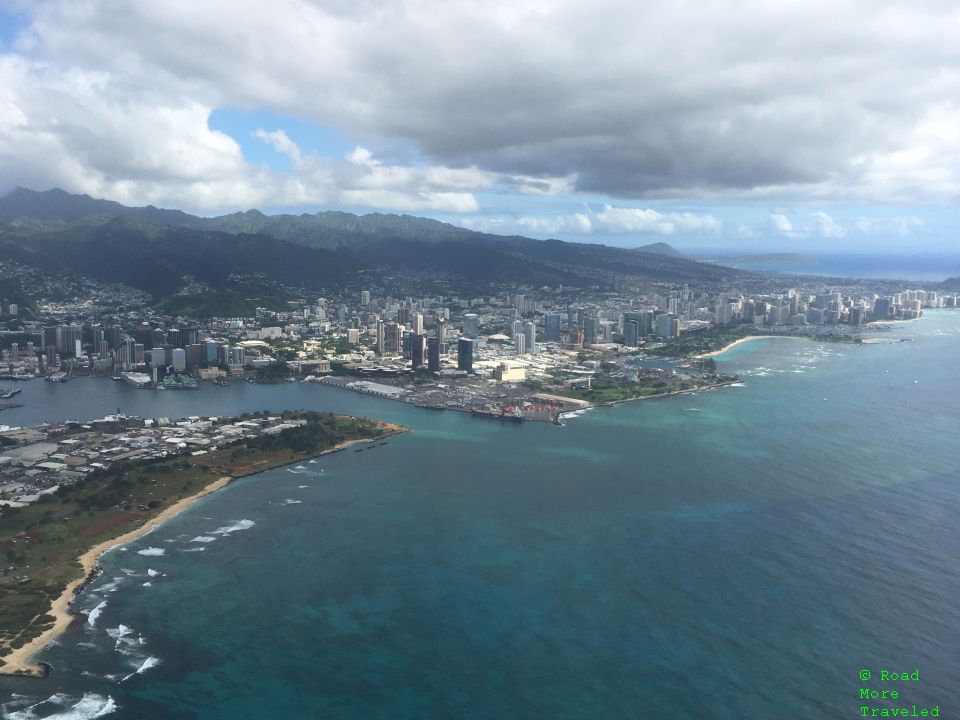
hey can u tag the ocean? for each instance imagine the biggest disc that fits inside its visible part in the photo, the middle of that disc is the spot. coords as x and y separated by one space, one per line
743 552
924 268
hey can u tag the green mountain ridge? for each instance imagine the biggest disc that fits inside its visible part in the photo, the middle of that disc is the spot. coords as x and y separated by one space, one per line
402 246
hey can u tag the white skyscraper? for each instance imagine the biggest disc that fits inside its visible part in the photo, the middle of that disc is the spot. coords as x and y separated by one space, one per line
519 343
530 337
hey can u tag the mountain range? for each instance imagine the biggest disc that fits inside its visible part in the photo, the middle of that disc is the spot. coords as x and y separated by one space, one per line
153 249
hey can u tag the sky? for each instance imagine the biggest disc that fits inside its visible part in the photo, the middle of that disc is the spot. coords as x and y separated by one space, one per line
791 125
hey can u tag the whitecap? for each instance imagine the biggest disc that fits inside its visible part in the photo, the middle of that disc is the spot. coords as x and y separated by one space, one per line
312 462
203 539
146 665
151 551
152 573
302 486
89 706
110 586
193 549
300 467
147 584
239 525
737 385
288 501
95 613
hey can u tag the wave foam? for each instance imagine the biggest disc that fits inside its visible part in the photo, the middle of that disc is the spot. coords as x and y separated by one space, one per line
152 573
151 551
89 706
239 525
203 539
95 613
146 665
288 501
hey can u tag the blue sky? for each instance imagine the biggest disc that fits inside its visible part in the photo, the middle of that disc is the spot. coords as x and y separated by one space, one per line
611 122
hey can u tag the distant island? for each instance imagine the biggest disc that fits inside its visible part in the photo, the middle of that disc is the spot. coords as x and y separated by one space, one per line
158 469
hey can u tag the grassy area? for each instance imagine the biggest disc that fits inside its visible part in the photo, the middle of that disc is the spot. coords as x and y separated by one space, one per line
704 341
42 541
219 304
611 389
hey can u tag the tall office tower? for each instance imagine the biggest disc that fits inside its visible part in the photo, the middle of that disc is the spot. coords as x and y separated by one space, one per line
418 324
67 338
517 327
96 337
530 337
631 333
518 301
665 325
179 360
440 330
465 354
391 344
103 350
114 334
519 343
471 325
403 315
418 350
15 352
158 357
882 308
49 336
159 337
195 356
590 327
551 325
209 353
139 353
144 334
433 354
381 337
173 337
364 297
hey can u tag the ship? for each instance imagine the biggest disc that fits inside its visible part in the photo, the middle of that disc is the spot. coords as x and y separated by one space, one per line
503 415
8 392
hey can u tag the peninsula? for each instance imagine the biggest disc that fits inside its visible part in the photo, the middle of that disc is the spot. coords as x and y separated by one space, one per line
130 475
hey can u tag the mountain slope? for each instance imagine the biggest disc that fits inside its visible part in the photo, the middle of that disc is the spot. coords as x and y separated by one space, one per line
404 246
156 258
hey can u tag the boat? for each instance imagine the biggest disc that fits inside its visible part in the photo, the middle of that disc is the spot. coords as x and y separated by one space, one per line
9 393
496 415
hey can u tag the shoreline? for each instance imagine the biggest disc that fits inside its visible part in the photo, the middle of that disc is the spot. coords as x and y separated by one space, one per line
741 341
19 663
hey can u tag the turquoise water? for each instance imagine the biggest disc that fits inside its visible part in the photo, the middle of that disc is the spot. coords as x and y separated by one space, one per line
736 553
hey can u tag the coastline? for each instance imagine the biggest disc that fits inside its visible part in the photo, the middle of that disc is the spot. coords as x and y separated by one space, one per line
19 663
714 353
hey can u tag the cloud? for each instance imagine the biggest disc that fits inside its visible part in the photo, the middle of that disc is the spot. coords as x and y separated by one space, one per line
825 226
781 223
899 226
280 142
608 220
801 101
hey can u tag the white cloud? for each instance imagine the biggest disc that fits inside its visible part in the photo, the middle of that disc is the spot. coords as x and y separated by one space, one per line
799 101
824 226
608 220
781 223
281 142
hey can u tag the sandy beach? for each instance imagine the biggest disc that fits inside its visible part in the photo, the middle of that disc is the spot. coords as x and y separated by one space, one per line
745 340
19 662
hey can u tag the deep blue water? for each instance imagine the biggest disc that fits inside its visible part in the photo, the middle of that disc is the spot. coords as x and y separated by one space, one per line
920 267
737 553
